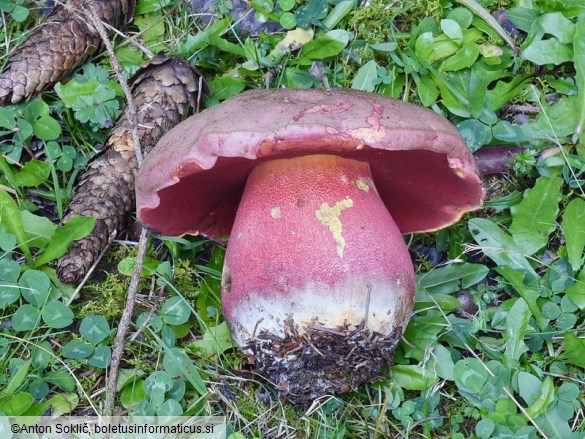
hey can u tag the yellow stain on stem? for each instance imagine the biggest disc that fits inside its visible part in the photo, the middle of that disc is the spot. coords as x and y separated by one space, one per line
329 217
362 185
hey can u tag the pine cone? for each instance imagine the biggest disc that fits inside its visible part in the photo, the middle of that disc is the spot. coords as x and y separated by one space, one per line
59 45
164 89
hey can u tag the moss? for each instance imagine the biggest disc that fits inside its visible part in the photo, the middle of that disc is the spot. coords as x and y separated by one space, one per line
420 9
109 298
187 279
371 23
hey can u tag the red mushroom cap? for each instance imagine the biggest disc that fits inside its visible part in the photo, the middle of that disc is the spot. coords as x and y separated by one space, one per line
193 180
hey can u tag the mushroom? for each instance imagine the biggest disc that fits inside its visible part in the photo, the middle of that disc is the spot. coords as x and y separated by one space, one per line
314 189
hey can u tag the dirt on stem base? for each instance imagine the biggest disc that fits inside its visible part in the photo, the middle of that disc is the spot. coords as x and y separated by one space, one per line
322 361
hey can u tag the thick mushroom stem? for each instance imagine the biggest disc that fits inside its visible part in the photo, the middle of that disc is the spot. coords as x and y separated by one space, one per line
316 260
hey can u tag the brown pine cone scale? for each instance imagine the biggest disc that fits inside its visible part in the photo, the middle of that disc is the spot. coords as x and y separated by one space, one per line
62 43
164 91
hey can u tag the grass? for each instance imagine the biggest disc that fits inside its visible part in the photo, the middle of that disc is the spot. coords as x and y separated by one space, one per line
509 365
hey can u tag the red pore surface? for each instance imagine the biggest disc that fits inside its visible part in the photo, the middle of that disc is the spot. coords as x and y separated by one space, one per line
193 180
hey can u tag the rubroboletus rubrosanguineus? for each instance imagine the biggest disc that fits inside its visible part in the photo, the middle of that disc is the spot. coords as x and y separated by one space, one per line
314 189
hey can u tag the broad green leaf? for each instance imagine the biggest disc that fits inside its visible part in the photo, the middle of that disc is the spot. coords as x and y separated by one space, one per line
9 290
579 63
152 29
127 376
25 129
336 14
559 26
41 355
366 77
478 81
10 217
16 405
475 133
63 403
505 91
324 46
424 300
169 408
470 374
7 118
70 91
574 349
558 120
133 394
550 51
463 16
9 270
529 294
287 5
422 332
101 357
175 311
77 349
485 428
465 57
57 315
61 378
76 228
453 30
16 380
554 424
46 128
226 86
215 39
147 6
443 363
34 287
99 108
529 387
38 408
153 322
413 377
311 13
442 47
499 246
554 50
569 8
288 20
452 278
523 18
426 89
94 329
545 398
517 326
534 218
26 318
156 385
424 47
179 363
39 229
33 173
216 340
576 292
130 57
559 275
177 392
511 133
